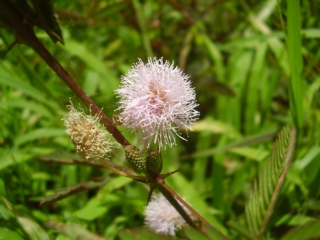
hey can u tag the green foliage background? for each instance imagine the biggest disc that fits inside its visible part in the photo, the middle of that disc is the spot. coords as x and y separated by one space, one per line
250 77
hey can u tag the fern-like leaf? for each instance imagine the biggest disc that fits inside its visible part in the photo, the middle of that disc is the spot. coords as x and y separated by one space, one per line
266 189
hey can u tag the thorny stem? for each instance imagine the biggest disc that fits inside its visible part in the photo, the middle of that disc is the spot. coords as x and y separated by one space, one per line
87 101
194 212
170 197
25 34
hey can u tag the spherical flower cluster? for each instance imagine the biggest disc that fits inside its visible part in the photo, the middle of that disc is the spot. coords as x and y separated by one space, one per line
162 217
89 138
157 98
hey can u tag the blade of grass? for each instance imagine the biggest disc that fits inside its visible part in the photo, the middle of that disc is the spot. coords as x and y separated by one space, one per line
295 61
215 55
143 27
258 138
251 108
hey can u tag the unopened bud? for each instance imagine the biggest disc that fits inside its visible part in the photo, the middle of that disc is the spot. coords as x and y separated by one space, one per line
135 159
154 161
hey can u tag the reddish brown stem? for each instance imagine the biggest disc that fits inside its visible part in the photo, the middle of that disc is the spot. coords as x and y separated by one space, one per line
194 212
13 20
87 101
158 182
25 34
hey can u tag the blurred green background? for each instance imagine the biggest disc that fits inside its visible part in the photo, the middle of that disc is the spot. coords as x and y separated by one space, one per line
250 77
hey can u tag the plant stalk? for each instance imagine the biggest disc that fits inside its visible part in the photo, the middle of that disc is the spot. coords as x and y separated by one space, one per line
25 34
194 212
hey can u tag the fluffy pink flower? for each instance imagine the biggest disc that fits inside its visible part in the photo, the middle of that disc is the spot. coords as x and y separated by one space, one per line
162 217
158 99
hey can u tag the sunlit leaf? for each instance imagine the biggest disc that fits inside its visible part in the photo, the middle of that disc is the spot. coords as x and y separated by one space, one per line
6 233
31 227
192 233
74 231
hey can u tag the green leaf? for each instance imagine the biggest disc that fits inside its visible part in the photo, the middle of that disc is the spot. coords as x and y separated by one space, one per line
294 220
92 210
253 87
6 233
26 104
307 231
10 156
271 178
217 127
247 141
216 57
143 27
251 153
17 82
31 228
295 61
98 65
74 231
5 213
114 184
192 233
241 229
312 155
43 133
213 234
3 190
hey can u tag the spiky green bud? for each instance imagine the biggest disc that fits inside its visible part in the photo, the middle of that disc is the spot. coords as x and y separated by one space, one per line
154 161
136 160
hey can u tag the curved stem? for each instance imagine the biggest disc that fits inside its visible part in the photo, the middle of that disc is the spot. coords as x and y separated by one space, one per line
25 34
87 101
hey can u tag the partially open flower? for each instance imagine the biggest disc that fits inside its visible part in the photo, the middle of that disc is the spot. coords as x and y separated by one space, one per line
162 217
89 138
157 98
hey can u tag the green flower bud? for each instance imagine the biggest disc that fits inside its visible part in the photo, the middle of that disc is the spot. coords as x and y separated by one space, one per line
154 161
136 160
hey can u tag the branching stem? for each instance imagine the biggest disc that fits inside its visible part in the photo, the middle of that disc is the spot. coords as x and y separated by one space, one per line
194 212
25 34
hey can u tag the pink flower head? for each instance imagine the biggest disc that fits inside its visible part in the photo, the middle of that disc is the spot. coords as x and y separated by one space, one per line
158 99
162 217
